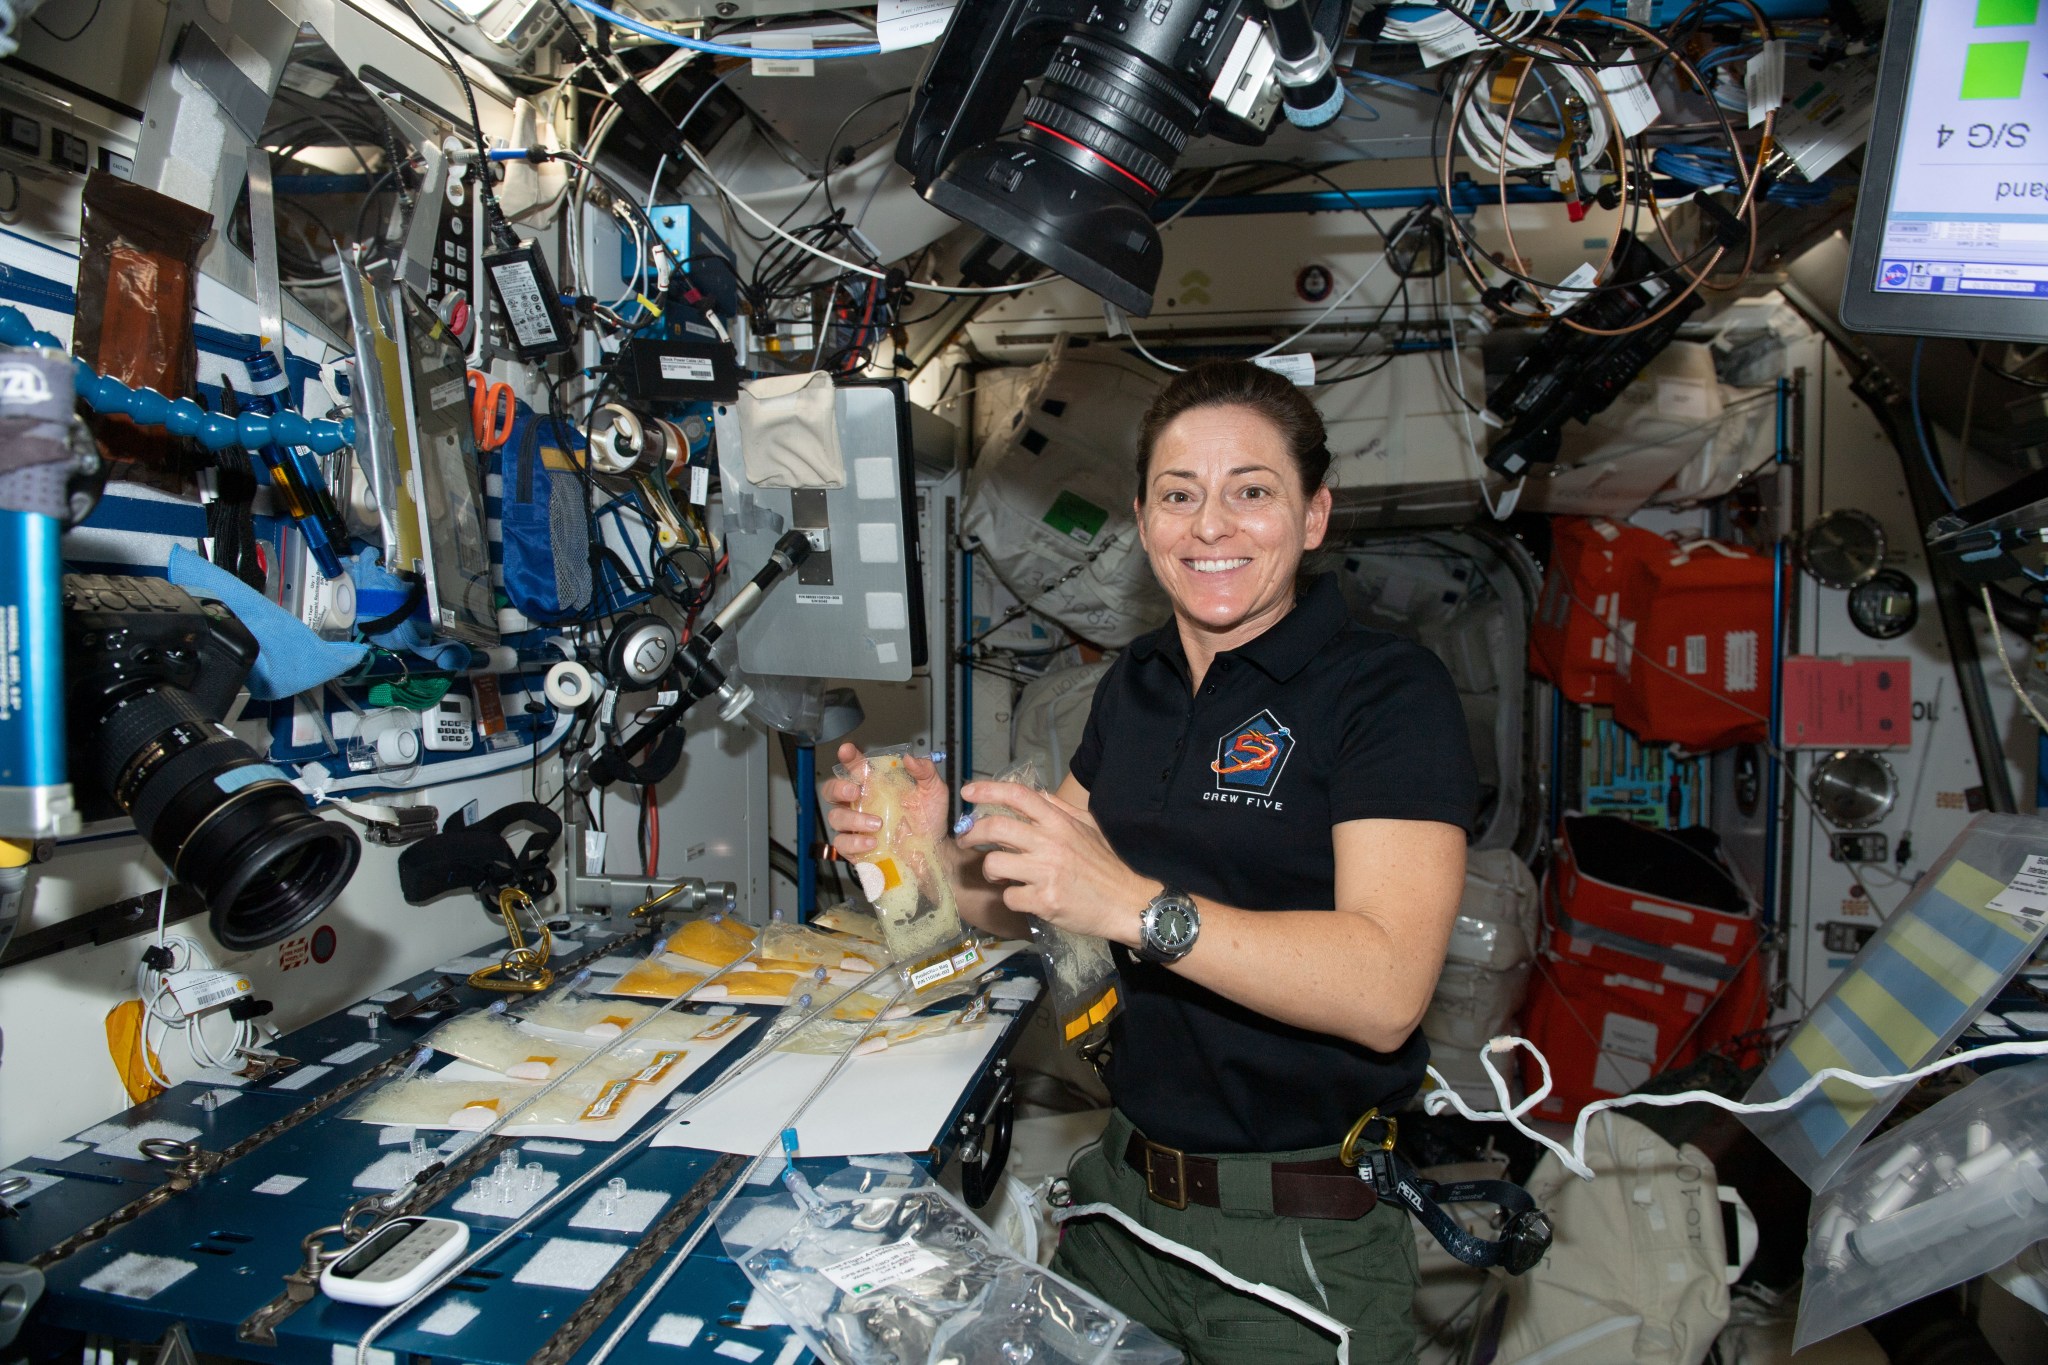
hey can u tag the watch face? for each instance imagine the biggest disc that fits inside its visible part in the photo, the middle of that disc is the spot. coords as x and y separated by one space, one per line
1173 926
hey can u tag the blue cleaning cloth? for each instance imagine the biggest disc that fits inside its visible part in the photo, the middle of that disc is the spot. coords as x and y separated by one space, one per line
290 657
379 592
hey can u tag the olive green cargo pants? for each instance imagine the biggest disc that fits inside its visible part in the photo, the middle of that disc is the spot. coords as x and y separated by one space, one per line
1361 1272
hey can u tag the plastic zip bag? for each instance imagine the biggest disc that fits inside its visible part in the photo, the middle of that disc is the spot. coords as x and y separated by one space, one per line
1086 990
830 1036
876 1265
492 1041
1948 1195
905 877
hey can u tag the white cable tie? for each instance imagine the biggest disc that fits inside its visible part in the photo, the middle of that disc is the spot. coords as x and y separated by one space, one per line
1279 1298
1443 1097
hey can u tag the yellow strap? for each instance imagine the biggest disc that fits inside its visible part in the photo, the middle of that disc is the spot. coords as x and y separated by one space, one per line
125 1045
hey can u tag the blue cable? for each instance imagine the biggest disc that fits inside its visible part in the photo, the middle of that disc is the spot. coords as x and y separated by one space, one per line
1920 429
661 35
1370 109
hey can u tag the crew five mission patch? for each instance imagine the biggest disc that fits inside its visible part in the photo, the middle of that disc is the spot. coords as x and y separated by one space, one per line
1251 757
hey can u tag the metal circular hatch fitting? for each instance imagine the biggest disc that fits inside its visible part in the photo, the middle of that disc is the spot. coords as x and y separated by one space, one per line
1853 788
1844 548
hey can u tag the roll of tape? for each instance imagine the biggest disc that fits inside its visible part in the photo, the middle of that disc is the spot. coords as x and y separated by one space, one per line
569 685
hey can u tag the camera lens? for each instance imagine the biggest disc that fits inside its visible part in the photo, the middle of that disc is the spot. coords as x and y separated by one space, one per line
1106 110
221 818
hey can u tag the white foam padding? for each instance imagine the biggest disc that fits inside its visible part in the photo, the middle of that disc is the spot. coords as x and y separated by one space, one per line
738 1350
560 946
633 1211
129 1143
101 1132
450 1318
136 1276
618 964
58 1151
344 1353
550 1147
218 1075
762 1226
570 1263
675 1329
387 1172
365 1011
343 1056
397 1135
463 966
792 1351
300 1079
1015 988
383 997
281 1184
762 1311
38 1181
522 1198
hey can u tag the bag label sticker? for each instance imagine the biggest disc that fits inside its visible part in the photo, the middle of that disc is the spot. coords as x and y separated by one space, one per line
2026 895
1635 107
1298 368
881 1267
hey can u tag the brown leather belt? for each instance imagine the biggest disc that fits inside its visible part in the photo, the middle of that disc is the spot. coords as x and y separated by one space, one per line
1301 1189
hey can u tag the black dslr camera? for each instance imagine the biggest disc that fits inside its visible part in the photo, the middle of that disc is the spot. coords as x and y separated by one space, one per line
149 674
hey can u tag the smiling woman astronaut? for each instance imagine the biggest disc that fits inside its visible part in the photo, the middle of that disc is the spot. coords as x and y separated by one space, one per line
1267 813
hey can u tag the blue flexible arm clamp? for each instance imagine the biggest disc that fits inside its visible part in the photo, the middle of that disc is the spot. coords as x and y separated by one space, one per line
182 416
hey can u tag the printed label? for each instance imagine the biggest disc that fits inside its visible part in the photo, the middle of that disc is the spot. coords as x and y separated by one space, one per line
657 1068
700 484
1073 515
1628 1049
2026 895
1298 369
689 368
719 1029
1741 662
1635 108
1763 80
1570 290
820 599
446 394
1695 654
609 1100
881 1267
519 291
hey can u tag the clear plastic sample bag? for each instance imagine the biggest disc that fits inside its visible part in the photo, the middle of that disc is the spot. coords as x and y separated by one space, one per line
1086 991
1948 1195
905 878
877 1265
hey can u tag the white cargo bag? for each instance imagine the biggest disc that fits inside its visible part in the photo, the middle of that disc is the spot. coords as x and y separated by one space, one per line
1051 496
1637 1274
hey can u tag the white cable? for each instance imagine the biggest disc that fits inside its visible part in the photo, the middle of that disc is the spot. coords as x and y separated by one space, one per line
1505 508
1162 364
1279 1298
1195 199
1338 302
698 158
1443 1097
1998 638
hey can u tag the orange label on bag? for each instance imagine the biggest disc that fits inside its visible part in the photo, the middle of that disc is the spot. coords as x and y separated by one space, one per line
657 1068
720 1028
609 1100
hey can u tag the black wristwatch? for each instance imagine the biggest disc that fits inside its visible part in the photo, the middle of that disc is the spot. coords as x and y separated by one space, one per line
1168 927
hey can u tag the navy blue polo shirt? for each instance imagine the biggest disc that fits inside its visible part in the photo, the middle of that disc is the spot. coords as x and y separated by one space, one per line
1232 794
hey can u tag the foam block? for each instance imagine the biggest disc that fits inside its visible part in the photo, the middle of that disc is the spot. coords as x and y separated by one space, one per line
450 1318
300 1079
136 1276
344 1353
738 1350
549 1147
127 1142
343 1056
634 1211
675 1329
58 1151
387 1172
570 1263
792 1351
395 1135
281 1184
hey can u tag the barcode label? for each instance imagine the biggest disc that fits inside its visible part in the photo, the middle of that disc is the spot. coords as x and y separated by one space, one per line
692 368
2026 895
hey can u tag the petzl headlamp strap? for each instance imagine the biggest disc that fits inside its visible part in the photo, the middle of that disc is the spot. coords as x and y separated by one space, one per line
1519 1248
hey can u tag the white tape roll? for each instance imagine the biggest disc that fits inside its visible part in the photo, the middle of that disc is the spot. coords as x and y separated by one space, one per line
569 685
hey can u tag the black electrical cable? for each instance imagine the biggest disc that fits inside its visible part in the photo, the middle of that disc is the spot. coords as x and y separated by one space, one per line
478 171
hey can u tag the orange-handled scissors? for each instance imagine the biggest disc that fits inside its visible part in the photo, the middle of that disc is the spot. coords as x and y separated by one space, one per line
491 410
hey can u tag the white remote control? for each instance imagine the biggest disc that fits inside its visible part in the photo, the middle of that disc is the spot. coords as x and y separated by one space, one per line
396 1262
451 726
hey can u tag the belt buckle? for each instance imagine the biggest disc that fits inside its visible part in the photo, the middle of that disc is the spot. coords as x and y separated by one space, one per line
1180 1175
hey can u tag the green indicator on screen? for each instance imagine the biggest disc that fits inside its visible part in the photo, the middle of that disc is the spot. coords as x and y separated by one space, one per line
2006 13
1994 71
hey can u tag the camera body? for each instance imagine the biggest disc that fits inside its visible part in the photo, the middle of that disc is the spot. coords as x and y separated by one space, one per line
1126 85
150 674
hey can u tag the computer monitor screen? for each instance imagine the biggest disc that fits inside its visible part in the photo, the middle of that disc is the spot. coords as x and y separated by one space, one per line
1951 233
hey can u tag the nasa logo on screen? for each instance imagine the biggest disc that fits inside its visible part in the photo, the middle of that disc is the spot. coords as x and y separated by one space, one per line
1894 273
